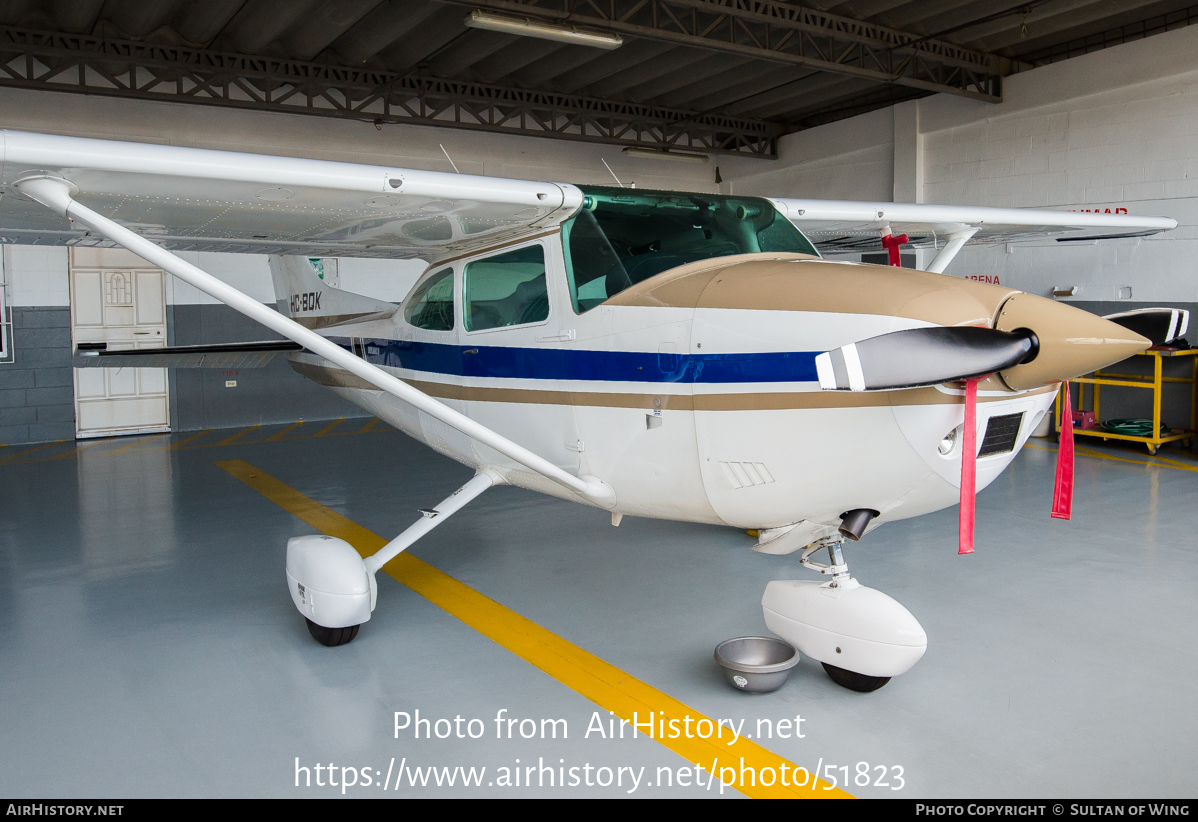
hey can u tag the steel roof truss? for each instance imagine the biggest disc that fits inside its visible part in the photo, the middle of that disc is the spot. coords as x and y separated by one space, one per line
93 65
785 33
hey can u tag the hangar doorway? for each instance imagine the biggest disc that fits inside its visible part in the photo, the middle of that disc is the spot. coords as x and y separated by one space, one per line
119 299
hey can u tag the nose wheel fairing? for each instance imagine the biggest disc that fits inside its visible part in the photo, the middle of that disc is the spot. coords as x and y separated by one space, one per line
862 637
842 623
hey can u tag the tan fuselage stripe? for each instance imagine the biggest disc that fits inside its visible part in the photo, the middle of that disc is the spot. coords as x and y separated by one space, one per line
761 401
314 323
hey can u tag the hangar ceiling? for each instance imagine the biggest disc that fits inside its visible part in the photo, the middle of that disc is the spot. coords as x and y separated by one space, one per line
723 76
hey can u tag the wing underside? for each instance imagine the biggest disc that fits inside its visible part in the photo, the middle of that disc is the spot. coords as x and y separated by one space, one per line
188 199
841 226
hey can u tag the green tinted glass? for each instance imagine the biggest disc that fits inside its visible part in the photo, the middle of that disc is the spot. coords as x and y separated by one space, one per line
507 289
622 236
431 305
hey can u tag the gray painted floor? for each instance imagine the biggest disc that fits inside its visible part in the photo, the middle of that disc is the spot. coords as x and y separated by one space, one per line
149 647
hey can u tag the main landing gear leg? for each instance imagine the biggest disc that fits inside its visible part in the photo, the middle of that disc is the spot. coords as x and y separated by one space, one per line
334 588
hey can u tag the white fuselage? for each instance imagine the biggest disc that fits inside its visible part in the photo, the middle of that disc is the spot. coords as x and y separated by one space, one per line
699 414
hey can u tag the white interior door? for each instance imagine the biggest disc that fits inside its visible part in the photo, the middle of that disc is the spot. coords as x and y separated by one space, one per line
125 307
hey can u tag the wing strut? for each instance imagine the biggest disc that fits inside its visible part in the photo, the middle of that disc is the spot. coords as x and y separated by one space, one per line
956 241
430 519
57 194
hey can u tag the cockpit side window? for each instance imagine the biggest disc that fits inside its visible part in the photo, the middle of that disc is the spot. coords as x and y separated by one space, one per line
507 289
431 305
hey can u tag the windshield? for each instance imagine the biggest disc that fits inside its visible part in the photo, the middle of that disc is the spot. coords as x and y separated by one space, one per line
623 236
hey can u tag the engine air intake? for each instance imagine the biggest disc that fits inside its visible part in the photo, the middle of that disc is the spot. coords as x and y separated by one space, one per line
1001 434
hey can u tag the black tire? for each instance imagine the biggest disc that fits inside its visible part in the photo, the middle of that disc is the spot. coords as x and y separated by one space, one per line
332 637
853 680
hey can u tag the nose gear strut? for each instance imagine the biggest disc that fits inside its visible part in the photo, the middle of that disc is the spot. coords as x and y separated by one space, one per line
841 581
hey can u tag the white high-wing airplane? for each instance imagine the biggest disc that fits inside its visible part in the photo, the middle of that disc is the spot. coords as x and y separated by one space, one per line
658 354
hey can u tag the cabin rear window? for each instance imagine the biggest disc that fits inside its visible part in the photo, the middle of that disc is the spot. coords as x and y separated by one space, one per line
621 236
507 289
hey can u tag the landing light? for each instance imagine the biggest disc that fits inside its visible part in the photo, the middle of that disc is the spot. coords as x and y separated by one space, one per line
948 443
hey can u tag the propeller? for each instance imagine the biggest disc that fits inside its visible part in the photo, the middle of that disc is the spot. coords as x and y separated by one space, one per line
923 356
931 356
1066 343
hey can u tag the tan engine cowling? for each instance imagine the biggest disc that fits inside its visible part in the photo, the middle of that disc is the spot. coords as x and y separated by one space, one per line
1072 342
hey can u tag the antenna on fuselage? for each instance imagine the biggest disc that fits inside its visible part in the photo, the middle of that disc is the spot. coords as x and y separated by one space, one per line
613 174
450 159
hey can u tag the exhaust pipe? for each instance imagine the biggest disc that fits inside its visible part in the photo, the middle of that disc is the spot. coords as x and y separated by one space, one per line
853 523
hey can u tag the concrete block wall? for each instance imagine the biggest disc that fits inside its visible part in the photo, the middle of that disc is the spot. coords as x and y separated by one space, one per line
848 160
37 401
1114 131
37 395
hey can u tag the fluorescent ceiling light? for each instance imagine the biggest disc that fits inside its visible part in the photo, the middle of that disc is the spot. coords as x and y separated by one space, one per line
659 154
545 31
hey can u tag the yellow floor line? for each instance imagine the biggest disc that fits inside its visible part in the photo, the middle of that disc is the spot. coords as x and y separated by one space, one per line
329 427
74 452
368 426
131 446
192 438
30 451
238 435
1086 452
598 681
279 435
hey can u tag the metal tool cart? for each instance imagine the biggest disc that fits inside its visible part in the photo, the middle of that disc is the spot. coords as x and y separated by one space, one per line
1155 382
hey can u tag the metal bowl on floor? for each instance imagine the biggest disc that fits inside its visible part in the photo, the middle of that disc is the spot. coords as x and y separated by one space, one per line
756 664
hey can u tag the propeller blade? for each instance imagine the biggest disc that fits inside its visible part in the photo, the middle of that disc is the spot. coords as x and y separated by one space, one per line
922 356
1161 325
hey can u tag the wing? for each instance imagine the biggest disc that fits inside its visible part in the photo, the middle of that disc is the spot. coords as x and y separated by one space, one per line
199 199
847 226
154 200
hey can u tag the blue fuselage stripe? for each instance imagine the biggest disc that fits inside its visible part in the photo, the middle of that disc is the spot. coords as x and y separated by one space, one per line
584 365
